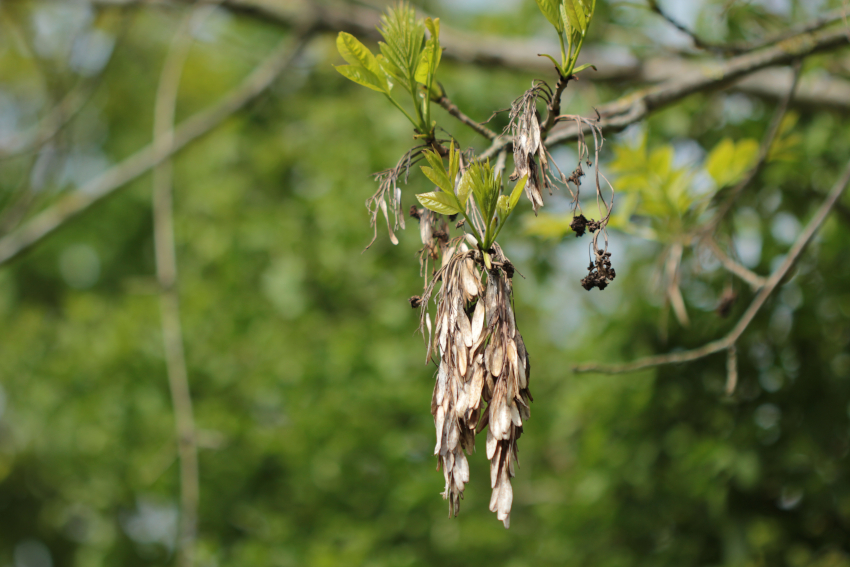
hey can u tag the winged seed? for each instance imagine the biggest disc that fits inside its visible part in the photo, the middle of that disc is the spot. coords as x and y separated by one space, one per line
470 285
461 360
465 328
439 419
497 360
491 444
477 322
494 466
515 418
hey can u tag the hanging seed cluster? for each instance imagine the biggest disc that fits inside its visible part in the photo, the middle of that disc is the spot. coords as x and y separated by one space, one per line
482 361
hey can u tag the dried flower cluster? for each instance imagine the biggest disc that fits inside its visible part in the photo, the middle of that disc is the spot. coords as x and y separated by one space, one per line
525 130
482 359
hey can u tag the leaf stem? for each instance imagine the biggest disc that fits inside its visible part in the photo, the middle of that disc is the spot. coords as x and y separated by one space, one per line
398 106
563 52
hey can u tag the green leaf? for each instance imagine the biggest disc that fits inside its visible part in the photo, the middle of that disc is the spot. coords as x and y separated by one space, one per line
571 15
392 70
580 14
404 37
503 209
550 10
434 160
437 177
493 188
465 187
442 203
728 162
433 26
719 159
565 20
428 62
660 161
745 156
361 76
585 66
552 59
355 53
478 188
454 161
517 192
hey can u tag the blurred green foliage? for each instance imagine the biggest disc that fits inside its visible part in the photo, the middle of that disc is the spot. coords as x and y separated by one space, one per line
310 393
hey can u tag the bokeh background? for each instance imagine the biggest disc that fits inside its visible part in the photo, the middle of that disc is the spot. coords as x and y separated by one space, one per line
310 393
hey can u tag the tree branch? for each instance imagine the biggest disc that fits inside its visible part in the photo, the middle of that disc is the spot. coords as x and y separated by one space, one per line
46 222
452 109
520 54
764 152
169 299
615 116
740 47
629 109
770 285
754 280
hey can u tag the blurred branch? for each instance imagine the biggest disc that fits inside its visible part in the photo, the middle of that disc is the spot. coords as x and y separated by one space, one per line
61 113
169 298
55 119
731 369
739 47
754 280
69 206
698 42
764 152
617 115
772 282
452 109
521 54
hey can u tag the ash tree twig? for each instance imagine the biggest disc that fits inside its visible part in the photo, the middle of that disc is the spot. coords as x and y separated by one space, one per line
106 184
716 48
615 116
754 280
619 114
764 152
453 110
169 298
740 47
764 293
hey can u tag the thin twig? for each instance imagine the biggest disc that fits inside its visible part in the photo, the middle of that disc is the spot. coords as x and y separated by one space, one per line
107 183
452 109
520 54
554 107
754 280
740 47
616 116
732 337
626 111
731 369
169 299
61 114
698 42
764 152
